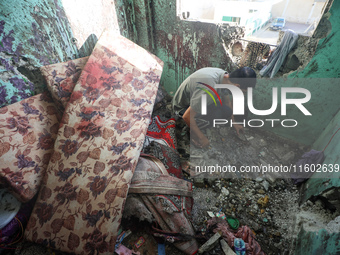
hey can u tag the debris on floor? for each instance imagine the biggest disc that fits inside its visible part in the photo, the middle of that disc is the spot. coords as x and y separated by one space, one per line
255 202
210 243
226 249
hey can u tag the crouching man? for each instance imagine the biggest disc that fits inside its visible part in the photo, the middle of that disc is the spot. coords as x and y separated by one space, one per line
187 104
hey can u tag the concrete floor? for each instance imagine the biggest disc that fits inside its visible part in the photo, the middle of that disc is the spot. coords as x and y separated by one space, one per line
277 224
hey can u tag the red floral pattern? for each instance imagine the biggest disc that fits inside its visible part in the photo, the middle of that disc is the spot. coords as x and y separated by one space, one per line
61 79
99 140
28 130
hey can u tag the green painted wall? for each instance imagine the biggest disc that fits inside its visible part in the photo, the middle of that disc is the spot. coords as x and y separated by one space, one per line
323 181
318 243
325 64
32 34
324 104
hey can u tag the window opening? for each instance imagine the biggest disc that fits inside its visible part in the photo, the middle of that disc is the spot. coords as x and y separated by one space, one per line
261 19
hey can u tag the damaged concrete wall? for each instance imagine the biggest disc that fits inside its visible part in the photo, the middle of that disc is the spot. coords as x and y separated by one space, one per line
326 64
184 46
325 186
37 33
316 243
322 182
324 104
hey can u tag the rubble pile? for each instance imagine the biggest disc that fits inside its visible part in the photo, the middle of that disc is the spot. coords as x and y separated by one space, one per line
268 204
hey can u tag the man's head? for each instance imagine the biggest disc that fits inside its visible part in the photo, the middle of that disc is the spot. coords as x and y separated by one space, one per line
245 77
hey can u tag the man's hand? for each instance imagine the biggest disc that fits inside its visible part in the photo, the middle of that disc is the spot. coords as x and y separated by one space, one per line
204 142
197 137
200 143
238 128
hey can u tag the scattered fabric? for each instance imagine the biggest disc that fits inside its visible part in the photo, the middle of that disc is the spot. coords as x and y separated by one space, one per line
276 59
28 130
102 131
151 170
169 199
162 132
254 54
135 207
244 232
161 143
168 156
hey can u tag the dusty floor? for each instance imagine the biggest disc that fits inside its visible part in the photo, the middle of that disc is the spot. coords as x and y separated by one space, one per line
275 224
272 223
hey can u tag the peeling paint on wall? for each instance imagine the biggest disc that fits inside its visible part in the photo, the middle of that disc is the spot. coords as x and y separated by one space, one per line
41 32
32 34
13 85
42 29
184 46
318 243
323 182
326 64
